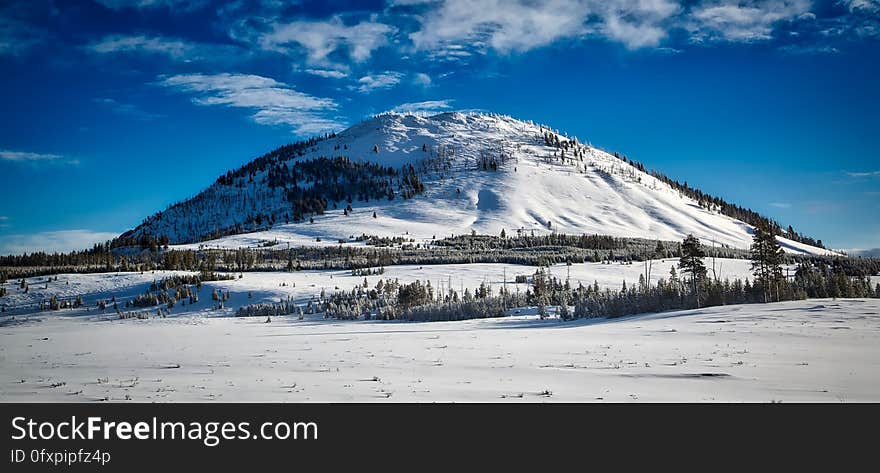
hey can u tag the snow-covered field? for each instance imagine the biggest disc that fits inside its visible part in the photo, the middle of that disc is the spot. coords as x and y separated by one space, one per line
300 287
817 350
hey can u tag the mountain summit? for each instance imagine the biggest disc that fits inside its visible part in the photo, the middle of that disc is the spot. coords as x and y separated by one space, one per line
451 173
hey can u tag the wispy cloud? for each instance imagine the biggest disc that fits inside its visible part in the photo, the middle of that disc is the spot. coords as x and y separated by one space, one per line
809 49
327 73
780 205
383 80
454 29
422 79
864 174
505 26
172 48
26 156
62 240
127 109
427 107
637 24
320 39
275 103
36 159
863 5
457 29
120 44
743 21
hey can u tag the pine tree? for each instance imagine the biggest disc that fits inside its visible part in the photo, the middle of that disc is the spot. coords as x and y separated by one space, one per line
691 262
660 250
767 257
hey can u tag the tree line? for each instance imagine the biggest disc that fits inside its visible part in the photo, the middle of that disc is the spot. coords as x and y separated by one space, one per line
688 287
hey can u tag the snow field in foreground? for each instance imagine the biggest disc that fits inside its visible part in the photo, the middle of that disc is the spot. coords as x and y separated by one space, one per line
816 350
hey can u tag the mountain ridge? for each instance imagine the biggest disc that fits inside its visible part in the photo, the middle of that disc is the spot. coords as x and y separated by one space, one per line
428 176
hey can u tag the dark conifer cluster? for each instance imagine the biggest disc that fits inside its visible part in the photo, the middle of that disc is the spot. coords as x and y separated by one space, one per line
276 191
310 185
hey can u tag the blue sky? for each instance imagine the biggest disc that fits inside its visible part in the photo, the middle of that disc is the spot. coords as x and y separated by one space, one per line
114 109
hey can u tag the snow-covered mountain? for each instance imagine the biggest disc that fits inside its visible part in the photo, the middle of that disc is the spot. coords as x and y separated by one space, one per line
481 172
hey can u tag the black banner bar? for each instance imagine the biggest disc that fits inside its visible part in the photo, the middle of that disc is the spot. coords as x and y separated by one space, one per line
238 436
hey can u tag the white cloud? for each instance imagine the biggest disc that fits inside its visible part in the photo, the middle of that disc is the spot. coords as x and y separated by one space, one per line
429 107
422 79
515 25
303 123
742 21
638 23
36 159
320 39
63 240
121 44
780 205
864 174
809 49
864 5
173 48
24 156
328 73
276 103
522 25
383 80
453 29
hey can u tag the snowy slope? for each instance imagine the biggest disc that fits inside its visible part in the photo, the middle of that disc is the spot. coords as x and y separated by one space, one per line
589 191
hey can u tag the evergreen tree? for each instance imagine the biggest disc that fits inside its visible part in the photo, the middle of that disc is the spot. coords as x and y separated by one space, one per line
767 257
660 250
691 262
